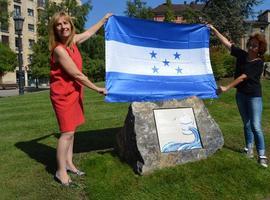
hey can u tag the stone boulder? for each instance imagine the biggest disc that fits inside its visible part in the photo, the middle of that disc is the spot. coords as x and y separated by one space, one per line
137 142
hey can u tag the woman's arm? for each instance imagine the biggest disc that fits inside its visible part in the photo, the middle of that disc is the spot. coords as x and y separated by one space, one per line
223 39
79 38
232 84
61 56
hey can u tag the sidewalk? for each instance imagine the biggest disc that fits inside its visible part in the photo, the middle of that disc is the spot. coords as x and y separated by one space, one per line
8 93
15 92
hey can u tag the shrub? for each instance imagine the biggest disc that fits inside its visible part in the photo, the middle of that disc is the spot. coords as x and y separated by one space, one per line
267 58
222 62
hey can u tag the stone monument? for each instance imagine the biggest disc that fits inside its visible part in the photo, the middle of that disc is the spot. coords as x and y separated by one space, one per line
138 142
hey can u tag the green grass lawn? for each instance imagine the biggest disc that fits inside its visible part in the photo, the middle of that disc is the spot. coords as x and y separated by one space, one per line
29 133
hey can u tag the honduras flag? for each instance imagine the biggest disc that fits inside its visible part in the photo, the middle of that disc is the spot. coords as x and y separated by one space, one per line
156 61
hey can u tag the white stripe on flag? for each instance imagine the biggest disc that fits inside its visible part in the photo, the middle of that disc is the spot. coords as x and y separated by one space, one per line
125 58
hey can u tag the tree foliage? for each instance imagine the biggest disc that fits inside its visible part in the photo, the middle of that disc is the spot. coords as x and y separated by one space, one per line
192 16
40 63
139 9
169 14
94 68
94 47
93 53
228 16
8 59
222 62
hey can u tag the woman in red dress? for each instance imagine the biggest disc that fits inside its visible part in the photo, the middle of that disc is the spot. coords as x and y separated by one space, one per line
66 86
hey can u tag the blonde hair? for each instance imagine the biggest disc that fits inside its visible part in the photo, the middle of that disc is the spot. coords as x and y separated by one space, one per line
53 37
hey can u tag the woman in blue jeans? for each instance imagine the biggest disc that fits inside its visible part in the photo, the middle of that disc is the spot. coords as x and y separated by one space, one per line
249 67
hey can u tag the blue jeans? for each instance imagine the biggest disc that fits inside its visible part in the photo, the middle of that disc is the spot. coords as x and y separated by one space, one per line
250 109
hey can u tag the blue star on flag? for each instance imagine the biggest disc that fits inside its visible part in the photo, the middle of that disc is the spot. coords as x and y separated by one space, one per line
166 62
153 54
155 69
176 55
179 70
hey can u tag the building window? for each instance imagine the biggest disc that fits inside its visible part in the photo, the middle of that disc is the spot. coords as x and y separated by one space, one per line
4 16
17 1
31 27
17 10
31 43
41 3
30 58
30 12
4 26
262 29
5 39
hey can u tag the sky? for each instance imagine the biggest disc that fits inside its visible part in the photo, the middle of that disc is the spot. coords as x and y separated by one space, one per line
117 7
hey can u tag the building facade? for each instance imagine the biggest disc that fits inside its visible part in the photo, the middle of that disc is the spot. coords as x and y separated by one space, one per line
29 9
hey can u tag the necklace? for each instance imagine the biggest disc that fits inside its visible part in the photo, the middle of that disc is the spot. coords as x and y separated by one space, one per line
248 60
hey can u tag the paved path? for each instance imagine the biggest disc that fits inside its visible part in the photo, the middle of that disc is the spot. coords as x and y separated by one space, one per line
15 92
8 93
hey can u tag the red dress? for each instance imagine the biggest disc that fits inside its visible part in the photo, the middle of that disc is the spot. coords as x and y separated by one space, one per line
66 94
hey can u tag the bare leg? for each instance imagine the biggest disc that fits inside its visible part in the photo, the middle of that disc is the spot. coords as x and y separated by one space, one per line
69 162
61 155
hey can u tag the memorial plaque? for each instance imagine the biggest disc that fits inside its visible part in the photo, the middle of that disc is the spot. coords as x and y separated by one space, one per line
177 129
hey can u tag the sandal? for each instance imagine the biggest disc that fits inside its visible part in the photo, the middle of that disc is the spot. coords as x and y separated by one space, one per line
78 172
57 179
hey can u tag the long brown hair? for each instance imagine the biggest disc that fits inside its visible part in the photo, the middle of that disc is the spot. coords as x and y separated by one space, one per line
262 43
53 37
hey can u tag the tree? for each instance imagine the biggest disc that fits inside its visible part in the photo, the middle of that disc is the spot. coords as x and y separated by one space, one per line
193 16
94 47
138 8
8 59
40 63
93 53
94 68
228 16
169 14
40 60
222 62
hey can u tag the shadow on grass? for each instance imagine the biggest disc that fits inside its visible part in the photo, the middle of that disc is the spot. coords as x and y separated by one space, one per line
233 148
85 141
97 140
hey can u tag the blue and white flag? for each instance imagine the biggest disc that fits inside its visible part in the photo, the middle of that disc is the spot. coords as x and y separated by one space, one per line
154 61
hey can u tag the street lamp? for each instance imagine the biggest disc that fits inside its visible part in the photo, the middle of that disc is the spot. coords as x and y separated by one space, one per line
18 20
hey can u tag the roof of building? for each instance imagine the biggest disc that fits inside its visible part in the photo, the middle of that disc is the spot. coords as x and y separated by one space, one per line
264 12
177 8
256 22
